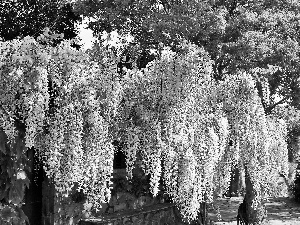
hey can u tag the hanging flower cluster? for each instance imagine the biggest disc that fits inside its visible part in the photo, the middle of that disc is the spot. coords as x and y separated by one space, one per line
198 140
278 154
65 101
23 75
260 145
177 121
172 113
97 162
131 149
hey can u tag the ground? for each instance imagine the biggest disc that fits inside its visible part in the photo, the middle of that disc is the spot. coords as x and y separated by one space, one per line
281 211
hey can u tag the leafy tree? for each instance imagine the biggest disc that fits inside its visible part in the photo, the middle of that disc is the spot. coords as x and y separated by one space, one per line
237 34
259 37
30 17
172 111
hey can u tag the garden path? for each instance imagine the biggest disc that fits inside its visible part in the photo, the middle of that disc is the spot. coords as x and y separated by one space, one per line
281 211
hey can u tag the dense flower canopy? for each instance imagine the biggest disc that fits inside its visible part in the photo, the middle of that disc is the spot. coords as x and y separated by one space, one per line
74 104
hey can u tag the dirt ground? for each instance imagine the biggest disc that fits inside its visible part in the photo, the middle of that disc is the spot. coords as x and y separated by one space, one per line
281 211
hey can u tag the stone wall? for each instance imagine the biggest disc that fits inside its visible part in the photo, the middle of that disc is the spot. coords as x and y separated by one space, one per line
159 214
122 211
128 198
68 212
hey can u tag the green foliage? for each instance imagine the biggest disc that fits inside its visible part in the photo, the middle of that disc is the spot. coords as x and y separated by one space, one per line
169 21
246 35
29 18
13 180
12 215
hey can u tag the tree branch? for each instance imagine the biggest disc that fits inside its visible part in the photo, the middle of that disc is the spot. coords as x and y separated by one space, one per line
270 108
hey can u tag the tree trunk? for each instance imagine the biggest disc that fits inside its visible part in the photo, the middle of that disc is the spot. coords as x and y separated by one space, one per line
234 183
203 218
33 195
237 183
254 216
48 201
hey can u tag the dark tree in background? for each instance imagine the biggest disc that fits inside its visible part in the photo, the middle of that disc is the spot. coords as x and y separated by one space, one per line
238 35
20 18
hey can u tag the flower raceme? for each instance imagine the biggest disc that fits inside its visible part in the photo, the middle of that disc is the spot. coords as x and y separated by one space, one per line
74 104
